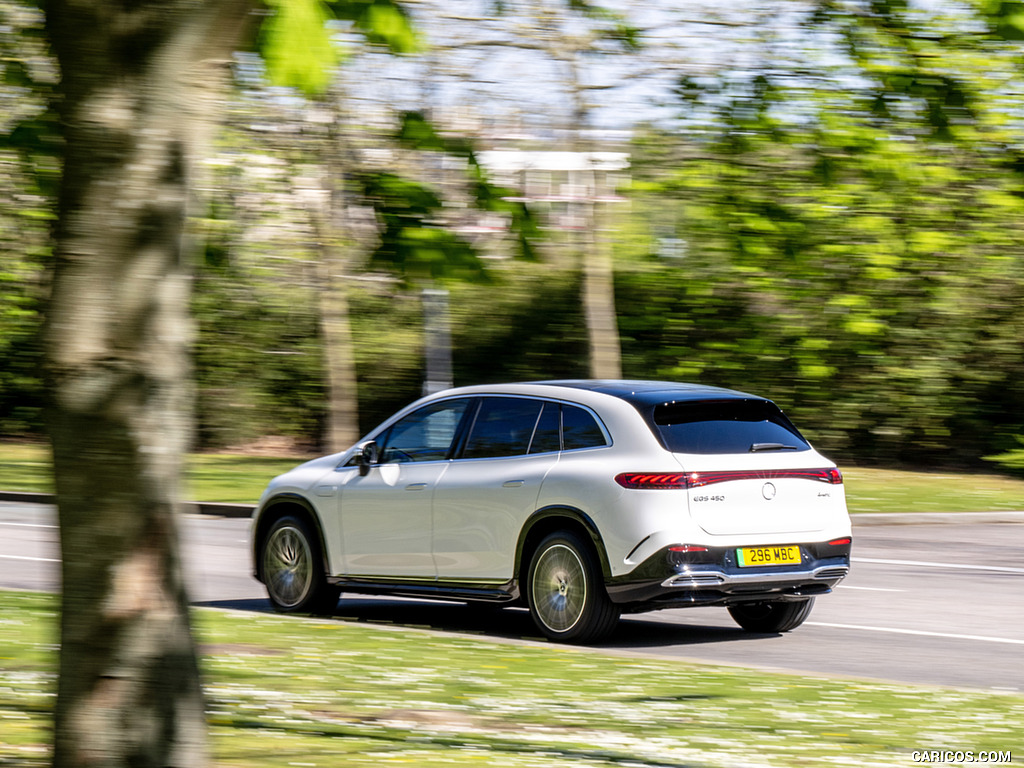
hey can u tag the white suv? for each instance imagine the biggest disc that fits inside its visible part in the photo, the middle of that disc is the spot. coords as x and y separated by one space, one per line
581 499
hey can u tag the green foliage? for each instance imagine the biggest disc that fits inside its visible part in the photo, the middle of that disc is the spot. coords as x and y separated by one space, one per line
1005 16
297 46
1012 459
412 243
416 132
29 170
852 252
297 43
612 25
382 22
841 230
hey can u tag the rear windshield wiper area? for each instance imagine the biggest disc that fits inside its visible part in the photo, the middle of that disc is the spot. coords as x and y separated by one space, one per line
758 447
726 426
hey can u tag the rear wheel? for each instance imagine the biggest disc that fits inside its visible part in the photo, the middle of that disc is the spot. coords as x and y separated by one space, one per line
292 567
771 616
565 592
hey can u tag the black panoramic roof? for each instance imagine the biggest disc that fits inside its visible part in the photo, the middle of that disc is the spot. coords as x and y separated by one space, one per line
647 393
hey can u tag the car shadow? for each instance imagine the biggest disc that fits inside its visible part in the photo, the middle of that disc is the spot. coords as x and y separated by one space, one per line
633 631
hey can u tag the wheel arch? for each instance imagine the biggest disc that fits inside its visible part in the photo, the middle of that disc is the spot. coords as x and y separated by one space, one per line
557 518
276 508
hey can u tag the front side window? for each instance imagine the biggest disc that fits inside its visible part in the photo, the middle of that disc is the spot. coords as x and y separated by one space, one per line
726 426
425 434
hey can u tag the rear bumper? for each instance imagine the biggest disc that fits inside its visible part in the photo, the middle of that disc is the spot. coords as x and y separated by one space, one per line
668 580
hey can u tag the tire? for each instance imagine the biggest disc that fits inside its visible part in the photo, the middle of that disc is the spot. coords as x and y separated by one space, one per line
565 591
292 568
771 616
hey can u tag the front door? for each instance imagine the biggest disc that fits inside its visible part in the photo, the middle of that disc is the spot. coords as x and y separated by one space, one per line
386 515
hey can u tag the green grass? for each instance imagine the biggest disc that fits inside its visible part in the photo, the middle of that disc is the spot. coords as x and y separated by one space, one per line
210 477
288 691
241 479
885 490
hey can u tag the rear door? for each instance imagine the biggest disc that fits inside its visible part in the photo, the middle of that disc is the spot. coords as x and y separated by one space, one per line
488 492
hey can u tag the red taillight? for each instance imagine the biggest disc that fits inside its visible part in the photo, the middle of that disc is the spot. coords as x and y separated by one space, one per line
688 548
652 480
676 480
844 542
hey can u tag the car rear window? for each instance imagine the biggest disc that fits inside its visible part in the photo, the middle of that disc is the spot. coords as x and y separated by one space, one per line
726 426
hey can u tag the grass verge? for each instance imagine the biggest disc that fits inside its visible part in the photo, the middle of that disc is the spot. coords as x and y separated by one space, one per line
240 480
885 490
231 478
286 691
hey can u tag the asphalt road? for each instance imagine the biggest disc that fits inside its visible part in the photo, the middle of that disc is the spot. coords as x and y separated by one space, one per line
931 604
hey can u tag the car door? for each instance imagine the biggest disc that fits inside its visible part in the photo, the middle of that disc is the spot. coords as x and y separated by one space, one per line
386 515
491 488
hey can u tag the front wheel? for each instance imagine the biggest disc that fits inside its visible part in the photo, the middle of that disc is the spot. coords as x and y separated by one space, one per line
293 569
771 616
565 592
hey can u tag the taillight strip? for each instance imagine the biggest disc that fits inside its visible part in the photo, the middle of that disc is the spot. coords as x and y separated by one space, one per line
677 480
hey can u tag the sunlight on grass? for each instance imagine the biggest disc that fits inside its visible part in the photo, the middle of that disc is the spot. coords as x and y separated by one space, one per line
296 691
883 490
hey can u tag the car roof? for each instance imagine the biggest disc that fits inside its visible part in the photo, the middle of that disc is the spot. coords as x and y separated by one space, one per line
648 393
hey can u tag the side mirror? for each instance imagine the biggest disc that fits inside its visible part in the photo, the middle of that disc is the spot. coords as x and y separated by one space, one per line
366 456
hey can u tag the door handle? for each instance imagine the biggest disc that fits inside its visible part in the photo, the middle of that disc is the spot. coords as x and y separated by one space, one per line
513 484
416 486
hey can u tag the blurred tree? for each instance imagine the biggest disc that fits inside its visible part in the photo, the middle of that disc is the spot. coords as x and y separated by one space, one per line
28 174
565 42
140 92
569 34
846 232
140 88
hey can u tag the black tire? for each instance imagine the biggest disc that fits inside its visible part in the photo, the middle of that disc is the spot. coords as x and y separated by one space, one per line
565 591
292 567
771 616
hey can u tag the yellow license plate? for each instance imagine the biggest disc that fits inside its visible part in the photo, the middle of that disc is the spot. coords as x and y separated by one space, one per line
751 556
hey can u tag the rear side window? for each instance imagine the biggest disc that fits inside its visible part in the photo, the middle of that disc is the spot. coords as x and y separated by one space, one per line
580 429
512 426
726 426
503 427
546 438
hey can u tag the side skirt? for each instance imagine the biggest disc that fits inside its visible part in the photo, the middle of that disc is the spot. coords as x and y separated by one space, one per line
507 592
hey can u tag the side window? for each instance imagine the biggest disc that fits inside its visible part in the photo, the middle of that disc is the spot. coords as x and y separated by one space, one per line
545 437
425 434
503 427
580 429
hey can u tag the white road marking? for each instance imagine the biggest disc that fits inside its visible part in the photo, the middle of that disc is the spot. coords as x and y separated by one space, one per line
869 589
33 559
29 525
919 632
952 566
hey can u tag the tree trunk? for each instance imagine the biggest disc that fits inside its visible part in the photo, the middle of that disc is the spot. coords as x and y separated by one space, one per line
342 429
594 248
140 87
339 346
599 295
